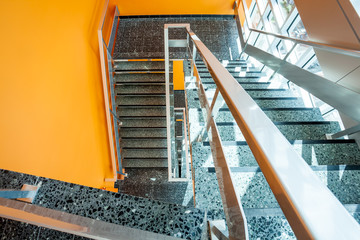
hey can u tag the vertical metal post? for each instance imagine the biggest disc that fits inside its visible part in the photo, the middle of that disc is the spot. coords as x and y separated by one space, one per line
167 91
193 60
186 146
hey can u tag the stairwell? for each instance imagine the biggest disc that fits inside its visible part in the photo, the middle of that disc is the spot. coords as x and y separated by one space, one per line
336 162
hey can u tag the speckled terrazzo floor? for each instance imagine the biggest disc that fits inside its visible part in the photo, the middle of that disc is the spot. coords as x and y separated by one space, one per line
118 208
304 128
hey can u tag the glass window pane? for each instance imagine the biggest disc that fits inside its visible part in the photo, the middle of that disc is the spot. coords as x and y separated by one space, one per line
299 31
262 5
273 24
356 4
262 42
255 16
285 6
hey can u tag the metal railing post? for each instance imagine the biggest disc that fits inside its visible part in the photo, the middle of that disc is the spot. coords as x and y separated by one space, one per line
167 91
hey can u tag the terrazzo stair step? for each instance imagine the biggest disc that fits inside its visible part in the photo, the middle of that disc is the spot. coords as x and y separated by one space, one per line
254 191
278 114
229 131
140 100
143 133
279 102
270 223
203 69
143 122
139 65
226 61
140 89
245 85
117 208
267 102
145 163
314 152
145 153
158 111
143 143
139 77
237 75
257 93
146 182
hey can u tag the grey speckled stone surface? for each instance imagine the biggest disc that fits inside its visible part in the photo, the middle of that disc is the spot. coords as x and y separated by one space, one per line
140 100
314 154
155 88
139 77
118 208
291 132
141 111
312 114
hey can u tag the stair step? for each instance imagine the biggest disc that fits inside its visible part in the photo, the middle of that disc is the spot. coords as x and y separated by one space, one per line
145 163
245 85
140 77
139 65
263 102
143 122
141 100
144 153
143 133
226 61
231 69
291 130
279 114
141 143
140 89
259 93
315 153
237 74
141 112
111 207
145 182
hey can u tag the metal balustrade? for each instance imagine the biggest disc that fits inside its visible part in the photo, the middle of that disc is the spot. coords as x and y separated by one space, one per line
310 207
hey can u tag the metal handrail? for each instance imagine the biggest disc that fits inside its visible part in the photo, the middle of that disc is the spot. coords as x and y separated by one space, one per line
310 207
323 46
111 126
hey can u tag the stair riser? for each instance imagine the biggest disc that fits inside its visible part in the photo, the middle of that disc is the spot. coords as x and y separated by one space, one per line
140 89
139 65
142 133
150 143
144 153
141 100
146 112
140 77
134 123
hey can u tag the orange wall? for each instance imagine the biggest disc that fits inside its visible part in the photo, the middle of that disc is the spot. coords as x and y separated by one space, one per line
173 7
53 120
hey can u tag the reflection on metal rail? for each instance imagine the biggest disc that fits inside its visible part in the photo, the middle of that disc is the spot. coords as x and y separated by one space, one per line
310 207
337 96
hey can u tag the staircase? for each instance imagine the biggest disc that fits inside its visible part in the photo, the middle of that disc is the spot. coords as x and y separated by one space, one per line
141 107
336 162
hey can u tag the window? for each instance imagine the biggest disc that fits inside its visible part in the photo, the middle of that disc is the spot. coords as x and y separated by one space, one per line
285 7
255 16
